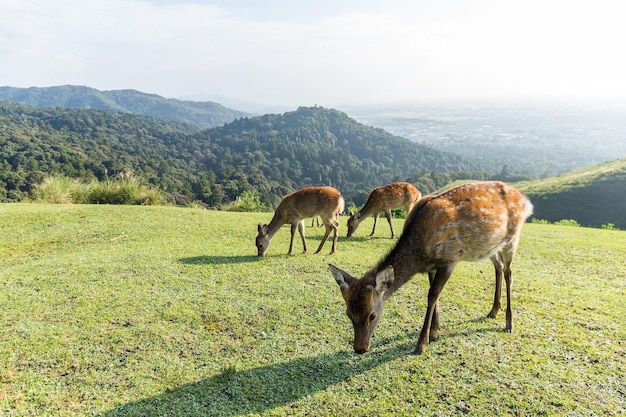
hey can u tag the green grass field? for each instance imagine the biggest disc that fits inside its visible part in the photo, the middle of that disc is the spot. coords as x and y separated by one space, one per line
163 311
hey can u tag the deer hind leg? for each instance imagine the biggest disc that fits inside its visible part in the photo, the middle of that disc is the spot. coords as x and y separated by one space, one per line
335 226
507 257
374 227
438 281
499 267
331 225
434 323
509 311
329 228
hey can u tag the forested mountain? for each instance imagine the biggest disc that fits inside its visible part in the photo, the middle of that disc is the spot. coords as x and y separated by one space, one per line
272 154
202 114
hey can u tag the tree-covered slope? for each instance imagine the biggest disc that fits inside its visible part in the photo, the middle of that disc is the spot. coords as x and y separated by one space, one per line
272 155
592 196
314 146
40 142
202 114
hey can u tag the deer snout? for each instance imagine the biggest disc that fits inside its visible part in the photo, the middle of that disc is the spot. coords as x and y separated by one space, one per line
361 348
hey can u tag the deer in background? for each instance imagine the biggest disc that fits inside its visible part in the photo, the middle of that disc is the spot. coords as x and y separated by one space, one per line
382 200
325 202
465 223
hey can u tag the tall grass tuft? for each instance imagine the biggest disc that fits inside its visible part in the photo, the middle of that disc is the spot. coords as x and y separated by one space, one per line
126 190
61 190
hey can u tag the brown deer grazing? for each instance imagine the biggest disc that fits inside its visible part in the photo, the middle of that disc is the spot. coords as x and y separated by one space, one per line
465 223
382 200
325 202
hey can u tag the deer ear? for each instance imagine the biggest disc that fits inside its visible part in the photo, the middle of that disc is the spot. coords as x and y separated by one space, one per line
342 277
384 279
263 229
351 213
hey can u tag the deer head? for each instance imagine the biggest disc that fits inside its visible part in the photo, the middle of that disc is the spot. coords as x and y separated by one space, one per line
263 239
353 222
364 302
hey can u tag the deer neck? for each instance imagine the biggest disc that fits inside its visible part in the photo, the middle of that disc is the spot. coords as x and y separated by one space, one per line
275 225
366 211
406 260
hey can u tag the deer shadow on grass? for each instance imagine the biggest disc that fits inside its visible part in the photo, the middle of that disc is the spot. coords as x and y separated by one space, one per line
236 392
218 260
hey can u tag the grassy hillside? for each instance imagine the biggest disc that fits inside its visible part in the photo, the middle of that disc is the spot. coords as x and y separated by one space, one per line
593 196
133 311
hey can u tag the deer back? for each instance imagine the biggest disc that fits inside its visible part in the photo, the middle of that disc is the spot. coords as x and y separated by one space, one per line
310 202
387 197
391 196
468 222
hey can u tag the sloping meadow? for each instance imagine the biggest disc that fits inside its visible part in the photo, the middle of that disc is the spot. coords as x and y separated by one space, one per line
135 310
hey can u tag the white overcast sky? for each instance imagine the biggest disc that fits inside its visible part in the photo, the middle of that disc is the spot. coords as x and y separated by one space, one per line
325 52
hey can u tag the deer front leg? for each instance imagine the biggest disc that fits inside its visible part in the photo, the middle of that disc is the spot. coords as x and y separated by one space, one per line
388 215
374 227
437 283
294 226
301 230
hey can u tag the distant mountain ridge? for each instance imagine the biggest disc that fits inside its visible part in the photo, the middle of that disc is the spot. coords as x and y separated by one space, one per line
202 114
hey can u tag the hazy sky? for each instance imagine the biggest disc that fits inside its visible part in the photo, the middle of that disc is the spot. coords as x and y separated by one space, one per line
325 52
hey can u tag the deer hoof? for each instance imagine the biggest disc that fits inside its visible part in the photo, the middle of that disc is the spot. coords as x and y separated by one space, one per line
419 349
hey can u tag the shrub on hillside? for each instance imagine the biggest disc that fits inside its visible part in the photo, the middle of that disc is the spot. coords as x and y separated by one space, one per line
247 201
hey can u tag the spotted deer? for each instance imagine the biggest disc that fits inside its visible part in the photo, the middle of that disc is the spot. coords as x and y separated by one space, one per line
382 200
466 223
325 202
